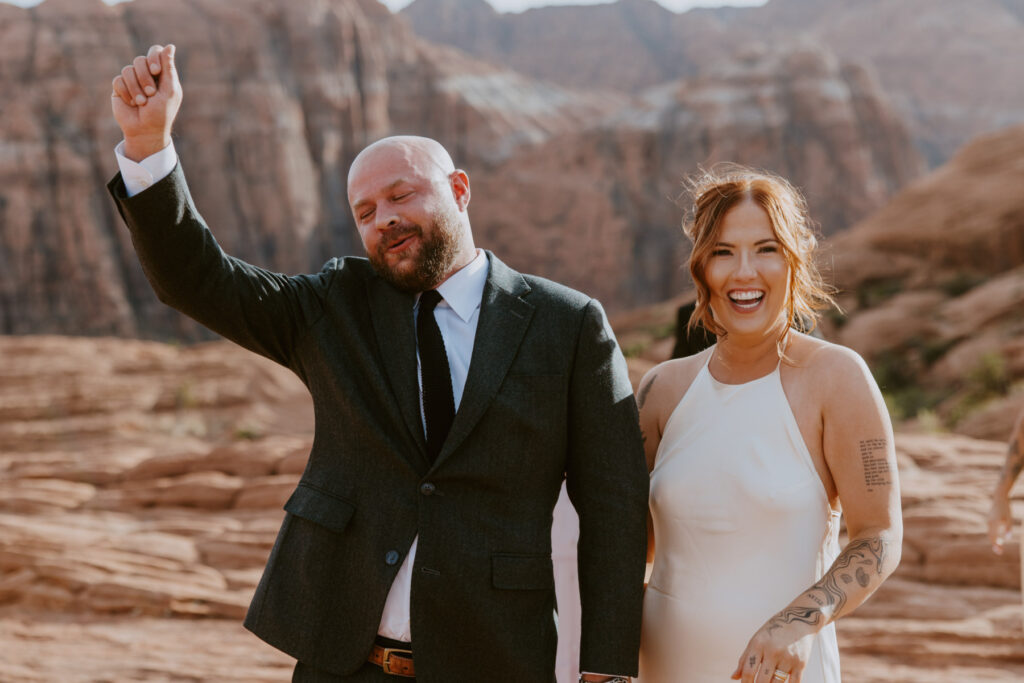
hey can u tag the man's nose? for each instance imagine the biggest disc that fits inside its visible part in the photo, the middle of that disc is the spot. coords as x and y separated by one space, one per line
386 220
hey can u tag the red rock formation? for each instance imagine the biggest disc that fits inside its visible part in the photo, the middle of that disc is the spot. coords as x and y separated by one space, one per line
566 44
141 487
934 285
279 97
601 213
945 65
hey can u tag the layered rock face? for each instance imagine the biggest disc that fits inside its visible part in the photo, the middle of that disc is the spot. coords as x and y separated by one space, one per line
279 97
934 286
141 487
602 210
946 65
566 44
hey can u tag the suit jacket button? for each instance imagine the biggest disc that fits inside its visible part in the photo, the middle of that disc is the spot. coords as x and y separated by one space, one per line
427 489
391 558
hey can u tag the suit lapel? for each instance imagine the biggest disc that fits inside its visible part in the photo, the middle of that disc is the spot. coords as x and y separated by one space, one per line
391 312
504 319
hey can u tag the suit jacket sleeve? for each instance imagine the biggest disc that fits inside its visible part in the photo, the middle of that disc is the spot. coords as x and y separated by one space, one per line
607 482
263 311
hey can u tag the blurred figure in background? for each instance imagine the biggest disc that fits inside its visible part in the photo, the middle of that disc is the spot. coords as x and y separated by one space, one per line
999 516
753 446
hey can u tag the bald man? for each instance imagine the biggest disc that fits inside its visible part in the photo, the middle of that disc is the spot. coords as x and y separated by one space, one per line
453 396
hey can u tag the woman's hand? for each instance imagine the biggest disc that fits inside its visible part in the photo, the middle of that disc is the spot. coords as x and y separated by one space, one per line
777 649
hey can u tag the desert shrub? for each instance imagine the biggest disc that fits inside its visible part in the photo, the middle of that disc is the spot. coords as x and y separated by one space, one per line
989 378
874 292
899 375
961 283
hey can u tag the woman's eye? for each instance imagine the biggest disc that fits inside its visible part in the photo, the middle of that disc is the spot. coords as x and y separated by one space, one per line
720 252
769 249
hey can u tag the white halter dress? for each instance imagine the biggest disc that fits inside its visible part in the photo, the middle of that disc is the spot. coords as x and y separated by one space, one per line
742 526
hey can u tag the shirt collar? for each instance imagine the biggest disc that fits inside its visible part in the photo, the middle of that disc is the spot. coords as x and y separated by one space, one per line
464 290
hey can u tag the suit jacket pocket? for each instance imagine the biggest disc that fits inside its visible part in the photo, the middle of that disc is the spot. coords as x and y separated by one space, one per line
522 572
320 508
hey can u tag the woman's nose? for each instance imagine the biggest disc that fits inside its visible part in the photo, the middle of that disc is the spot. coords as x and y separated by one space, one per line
745 268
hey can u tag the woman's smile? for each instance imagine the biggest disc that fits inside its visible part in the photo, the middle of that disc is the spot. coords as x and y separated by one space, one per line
746 300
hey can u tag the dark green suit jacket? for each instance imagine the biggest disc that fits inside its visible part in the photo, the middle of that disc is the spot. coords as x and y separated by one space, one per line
547 397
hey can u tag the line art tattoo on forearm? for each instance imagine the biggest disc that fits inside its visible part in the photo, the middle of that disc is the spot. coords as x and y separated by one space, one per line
864 556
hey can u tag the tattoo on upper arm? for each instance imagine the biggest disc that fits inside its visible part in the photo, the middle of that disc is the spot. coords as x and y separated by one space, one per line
875 459
641 399
869 553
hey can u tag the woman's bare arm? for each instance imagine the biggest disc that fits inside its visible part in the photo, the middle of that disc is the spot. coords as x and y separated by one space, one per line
857 441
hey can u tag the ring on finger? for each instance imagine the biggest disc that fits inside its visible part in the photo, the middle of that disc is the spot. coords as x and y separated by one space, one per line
780 675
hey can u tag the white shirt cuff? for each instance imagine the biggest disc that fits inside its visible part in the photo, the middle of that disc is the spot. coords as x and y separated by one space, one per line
138 176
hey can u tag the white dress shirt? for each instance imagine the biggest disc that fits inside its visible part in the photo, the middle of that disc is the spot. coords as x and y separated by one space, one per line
457 316
139 176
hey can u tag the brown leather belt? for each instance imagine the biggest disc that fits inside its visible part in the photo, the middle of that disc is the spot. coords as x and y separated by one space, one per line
394 660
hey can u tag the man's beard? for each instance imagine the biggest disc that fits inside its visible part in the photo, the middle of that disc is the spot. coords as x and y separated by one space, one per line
432 263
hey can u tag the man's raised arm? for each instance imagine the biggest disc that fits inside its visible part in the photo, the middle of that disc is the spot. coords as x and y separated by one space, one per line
263 311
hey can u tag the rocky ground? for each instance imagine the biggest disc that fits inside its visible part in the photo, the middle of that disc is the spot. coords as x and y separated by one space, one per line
141 486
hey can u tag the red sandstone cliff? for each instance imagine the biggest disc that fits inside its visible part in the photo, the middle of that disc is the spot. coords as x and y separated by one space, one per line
948 66
934 288
279 96
601 213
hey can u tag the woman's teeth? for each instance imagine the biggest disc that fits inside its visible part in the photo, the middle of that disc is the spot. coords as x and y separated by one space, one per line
746 299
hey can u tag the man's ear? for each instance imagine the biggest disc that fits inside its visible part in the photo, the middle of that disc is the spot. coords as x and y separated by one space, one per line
460 188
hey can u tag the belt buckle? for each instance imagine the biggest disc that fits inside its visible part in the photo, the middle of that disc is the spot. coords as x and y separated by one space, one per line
385 662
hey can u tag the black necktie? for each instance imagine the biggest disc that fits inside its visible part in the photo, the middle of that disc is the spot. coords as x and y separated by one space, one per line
438 400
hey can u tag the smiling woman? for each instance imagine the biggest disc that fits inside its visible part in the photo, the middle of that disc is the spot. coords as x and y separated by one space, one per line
771 215
755 447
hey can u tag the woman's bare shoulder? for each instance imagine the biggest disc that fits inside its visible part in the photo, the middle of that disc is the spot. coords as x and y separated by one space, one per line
831 367
666 383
